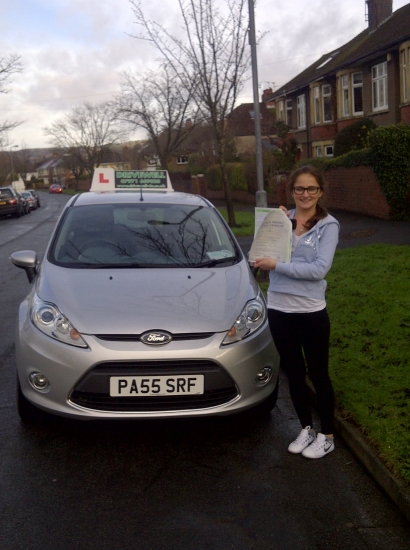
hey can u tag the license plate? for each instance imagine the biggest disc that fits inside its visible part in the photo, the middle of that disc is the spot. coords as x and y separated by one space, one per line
141 386
2 203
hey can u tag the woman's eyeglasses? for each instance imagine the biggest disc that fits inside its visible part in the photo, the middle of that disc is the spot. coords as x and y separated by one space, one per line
311 190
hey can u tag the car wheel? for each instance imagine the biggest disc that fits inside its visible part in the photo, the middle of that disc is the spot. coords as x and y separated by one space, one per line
28 413
18 213
265 408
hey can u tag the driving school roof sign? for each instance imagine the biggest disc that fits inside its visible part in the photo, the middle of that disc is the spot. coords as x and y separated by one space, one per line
108 179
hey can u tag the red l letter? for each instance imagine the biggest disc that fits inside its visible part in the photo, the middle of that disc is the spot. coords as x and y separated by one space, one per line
102 180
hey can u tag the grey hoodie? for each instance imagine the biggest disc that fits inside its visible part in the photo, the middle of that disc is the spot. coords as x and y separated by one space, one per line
310 261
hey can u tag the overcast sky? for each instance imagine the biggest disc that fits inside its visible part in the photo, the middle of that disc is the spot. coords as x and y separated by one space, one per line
73 51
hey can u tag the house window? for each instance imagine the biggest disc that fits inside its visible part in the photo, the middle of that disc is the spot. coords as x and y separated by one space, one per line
182 159
328 150
288 105
327 103
280 111
301 106
357 86
379 86
345 95
316 104
404 86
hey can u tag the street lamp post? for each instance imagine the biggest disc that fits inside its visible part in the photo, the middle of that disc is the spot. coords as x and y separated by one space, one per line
11 161
261 197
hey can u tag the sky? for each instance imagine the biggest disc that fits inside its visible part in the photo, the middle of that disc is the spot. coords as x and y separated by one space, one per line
75 51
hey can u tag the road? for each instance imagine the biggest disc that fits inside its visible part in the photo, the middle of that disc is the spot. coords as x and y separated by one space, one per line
217 484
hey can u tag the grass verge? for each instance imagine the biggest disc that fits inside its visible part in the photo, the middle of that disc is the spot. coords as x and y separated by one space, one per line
245 222
368 300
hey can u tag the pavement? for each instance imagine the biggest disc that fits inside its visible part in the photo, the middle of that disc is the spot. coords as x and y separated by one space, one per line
357 230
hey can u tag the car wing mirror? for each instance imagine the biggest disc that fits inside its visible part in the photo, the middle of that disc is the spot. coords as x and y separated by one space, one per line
27 260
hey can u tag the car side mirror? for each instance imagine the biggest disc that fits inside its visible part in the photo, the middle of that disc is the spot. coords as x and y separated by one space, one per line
27 260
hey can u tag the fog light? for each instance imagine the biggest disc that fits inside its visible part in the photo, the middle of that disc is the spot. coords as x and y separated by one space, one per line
263 376
38 381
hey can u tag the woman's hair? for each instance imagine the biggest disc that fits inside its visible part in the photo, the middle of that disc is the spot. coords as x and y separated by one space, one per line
321 211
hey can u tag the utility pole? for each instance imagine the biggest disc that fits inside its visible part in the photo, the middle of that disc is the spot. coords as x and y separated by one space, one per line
261 198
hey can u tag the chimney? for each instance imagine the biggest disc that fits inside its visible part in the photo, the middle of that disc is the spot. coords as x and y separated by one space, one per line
266 93
377 12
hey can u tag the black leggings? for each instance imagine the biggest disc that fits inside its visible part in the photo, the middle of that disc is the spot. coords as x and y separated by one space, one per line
302 340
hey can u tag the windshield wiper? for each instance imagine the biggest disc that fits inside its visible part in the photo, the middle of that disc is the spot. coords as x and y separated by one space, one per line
107 266
212 263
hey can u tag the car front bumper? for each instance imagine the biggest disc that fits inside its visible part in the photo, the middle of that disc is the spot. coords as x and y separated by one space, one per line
79 378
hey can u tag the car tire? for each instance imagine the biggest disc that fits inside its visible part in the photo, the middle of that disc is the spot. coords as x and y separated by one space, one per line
266 407
28 413
18 213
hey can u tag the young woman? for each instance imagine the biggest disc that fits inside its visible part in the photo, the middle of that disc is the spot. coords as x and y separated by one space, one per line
298 317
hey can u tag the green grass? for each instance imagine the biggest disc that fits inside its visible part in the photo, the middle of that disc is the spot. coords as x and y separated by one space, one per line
245 222
73 191
368 299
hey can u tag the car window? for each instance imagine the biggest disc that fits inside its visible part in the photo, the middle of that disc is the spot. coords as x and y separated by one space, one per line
149 235
5 193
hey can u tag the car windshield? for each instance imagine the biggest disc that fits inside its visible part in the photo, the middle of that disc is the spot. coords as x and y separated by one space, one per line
140 235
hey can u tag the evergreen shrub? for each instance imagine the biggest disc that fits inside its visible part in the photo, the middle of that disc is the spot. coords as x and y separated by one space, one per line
353 137
236 176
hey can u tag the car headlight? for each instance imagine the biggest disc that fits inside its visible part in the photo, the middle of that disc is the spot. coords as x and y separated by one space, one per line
47 318
252 317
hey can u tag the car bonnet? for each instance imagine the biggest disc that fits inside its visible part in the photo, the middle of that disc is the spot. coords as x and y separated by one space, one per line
132 301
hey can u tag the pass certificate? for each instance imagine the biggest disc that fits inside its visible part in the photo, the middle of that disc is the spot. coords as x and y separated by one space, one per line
273 238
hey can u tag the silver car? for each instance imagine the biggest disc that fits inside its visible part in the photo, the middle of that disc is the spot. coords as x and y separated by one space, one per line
143 306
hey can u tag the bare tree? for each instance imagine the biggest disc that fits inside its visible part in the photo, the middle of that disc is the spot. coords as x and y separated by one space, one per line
9 65
85 133
156 103
212 52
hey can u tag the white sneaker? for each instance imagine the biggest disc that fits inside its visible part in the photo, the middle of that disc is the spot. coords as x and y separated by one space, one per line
302 441
320 447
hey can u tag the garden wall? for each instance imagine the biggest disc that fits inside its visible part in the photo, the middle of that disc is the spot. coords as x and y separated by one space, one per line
349 189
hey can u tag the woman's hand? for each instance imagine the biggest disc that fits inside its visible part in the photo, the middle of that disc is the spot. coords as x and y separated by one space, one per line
287 212
264 263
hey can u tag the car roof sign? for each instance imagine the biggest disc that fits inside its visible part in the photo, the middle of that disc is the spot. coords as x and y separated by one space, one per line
108 179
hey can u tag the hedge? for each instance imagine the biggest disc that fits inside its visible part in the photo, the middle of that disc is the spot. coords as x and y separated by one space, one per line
236 176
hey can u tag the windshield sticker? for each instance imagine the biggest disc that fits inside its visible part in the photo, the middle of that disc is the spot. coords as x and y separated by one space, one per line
219 254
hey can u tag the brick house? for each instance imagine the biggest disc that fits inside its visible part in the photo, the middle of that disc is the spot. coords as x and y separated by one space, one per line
241 127
367 77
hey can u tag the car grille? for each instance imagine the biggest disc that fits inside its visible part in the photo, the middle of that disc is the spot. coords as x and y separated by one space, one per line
137 337
92 392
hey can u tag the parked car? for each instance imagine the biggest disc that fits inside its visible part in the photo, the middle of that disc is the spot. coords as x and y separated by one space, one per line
36 196
25 203
32 201
10 203
55 188
144 306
